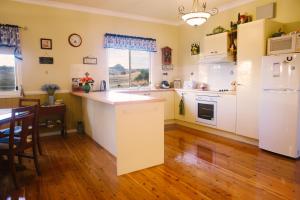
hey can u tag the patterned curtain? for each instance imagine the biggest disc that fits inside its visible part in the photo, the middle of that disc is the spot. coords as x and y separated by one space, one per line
129 42
10 37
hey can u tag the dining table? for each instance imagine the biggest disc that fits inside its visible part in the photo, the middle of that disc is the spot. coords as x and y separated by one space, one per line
5 116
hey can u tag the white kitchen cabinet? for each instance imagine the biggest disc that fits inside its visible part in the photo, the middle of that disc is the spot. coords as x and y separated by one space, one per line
216 44
226 109
226 113
251 45
189 106
169 102
168 96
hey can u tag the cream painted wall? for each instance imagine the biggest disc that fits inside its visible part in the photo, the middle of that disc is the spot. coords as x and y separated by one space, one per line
287 12
58 24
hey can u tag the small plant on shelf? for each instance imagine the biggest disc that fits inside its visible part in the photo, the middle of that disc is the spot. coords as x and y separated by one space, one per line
87 83
50 89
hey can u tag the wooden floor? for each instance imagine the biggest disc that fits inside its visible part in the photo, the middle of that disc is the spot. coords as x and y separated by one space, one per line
198 167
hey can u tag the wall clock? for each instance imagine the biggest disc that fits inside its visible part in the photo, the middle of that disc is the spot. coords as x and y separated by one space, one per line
75 40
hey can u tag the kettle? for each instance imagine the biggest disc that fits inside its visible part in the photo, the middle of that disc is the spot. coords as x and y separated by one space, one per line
103 85
164 85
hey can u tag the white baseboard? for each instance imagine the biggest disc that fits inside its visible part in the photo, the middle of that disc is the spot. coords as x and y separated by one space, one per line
214 131
57 133
170 121
71 131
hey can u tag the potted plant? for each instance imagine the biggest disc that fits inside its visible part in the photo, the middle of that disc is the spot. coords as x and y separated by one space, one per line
50 89
86 83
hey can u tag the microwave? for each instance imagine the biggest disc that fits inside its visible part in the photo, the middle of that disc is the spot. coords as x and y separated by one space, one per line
284 44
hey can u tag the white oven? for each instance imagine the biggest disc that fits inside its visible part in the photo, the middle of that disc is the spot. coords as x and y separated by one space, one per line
206 109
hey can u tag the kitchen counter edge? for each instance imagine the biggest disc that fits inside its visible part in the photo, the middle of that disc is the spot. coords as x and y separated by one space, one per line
117 98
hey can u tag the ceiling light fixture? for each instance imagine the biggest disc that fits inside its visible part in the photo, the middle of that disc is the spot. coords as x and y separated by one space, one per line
198 15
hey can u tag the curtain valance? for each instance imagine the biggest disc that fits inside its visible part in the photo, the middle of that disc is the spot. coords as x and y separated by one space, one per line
10 37
129 42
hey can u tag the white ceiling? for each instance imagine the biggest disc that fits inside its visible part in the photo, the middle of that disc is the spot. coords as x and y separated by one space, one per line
157 10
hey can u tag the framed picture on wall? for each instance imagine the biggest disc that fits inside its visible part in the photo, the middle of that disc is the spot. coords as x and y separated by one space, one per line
90 60
46 43
166 56
195 49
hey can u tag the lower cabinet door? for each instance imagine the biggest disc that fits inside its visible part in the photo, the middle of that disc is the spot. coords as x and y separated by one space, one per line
190 107
226 113
168 96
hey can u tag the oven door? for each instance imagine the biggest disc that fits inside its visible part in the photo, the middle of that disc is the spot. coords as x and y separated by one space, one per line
207 112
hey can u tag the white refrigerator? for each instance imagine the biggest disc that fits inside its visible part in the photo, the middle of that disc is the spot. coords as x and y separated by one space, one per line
279 120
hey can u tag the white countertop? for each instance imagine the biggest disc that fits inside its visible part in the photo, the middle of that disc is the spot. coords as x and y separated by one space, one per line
116 98
136 91
143 90
207 91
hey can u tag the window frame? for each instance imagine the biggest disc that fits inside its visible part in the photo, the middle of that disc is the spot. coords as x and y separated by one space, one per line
15 93
129 66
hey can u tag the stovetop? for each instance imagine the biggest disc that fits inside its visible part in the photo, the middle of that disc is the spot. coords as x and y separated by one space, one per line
223 90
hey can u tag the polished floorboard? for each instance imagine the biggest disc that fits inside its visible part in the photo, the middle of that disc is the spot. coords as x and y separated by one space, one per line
197 166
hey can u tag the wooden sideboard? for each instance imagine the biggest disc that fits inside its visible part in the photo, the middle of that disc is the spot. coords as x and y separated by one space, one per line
55 114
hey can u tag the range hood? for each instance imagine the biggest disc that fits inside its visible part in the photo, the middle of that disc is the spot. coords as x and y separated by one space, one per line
217 59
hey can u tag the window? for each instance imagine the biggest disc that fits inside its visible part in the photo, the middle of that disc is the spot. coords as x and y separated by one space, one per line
8 73
128 68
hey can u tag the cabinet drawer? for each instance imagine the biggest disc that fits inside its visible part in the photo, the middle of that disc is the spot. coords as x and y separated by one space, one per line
52 110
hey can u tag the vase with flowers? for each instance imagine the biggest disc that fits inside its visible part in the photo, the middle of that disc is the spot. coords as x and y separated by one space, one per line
86 83
50 89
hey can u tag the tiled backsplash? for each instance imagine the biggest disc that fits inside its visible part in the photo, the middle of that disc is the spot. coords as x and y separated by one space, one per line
217 76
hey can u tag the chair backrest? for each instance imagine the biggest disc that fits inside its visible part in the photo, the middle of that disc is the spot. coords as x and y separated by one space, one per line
29 102
26 118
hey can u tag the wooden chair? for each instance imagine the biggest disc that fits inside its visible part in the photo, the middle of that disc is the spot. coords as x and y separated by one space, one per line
12 146
23 103
30 102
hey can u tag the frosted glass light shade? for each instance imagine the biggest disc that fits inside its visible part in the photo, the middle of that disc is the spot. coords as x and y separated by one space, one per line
196 18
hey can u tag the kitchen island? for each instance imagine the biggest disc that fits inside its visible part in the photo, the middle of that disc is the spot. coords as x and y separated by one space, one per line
129 126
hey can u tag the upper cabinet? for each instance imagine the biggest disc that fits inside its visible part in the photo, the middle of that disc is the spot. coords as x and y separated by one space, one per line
216 44
216 49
